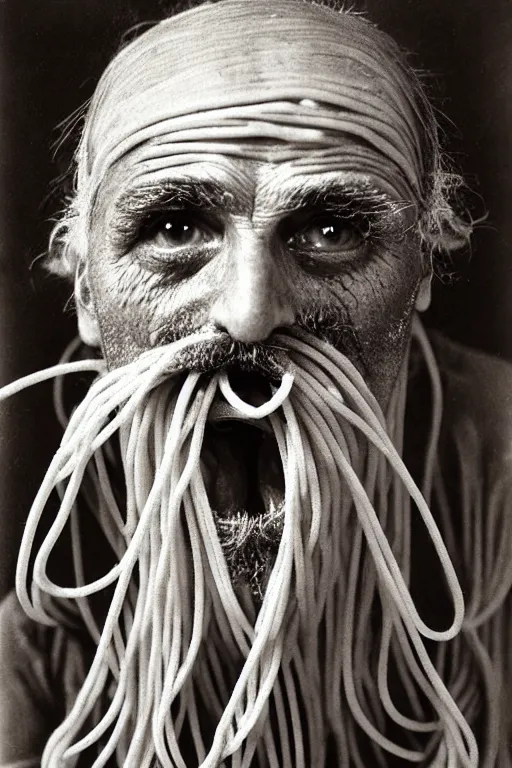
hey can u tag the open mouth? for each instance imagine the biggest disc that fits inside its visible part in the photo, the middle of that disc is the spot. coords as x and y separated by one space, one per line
244 478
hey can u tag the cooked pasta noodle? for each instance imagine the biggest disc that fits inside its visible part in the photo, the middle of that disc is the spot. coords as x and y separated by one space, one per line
181 648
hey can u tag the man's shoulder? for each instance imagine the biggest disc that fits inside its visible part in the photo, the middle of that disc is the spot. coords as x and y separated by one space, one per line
470 368
41 670
16 626
27 648
30 636
27 701
477 390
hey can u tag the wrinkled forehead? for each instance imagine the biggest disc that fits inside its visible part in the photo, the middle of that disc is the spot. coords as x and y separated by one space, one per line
231 74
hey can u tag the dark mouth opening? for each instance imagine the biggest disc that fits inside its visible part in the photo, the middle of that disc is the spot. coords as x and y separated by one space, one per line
244 480
251 386
243 469
241 461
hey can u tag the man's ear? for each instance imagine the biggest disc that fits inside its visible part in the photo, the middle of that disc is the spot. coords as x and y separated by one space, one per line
424 294
88 326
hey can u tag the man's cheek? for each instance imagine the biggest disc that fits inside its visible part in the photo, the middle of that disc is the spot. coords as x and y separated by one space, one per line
386 343
378 305
125 310
137 312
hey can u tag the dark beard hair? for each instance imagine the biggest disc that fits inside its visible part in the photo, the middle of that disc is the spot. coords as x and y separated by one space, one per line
267 358
250 547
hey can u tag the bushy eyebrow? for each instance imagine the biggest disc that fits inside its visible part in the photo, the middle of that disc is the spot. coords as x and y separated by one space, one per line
337 194
188 193
348 197
209 194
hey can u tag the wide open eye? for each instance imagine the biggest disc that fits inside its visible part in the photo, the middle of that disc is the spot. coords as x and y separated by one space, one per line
180 229
328 233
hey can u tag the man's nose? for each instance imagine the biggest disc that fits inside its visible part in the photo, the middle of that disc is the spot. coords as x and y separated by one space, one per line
254 299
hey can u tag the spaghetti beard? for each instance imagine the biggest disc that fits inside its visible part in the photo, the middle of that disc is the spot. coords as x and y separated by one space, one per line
183 659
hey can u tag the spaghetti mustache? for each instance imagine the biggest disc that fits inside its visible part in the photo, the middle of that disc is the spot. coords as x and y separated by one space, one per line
179 649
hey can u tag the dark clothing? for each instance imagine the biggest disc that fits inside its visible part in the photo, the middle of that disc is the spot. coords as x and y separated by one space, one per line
41 671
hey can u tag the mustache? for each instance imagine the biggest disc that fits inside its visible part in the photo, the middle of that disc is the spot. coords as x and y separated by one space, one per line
268 358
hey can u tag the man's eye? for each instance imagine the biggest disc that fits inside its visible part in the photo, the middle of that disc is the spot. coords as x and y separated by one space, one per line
329 233
180 230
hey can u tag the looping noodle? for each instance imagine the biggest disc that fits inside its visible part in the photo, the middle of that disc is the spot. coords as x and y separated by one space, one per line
261 411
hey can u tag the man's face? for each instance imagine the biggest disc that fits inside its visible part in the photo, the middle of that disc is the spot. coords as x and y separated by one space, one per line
308 220
251 247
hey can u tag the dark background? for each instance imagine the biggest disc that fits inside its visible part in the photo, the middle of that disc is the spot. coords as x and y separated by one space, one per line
52 53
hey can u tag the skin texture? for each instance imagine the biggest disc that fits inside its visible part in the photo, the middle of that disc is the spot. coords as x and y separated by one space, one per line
250 259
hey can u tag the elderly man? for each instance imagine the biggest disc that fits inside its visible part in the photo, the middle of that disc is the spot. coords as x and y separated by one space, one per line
257 579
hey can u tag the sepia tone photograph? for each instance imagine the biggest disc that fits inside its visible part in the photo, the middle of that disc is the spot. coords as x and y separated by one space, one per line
255 384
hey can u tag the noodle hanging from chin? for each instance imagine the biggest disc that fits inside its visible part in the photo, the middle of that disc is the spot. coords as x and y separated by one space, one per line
183 655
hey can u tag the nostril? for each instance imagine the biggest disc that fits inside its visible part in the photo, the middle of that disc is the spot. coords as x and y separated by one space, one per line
219 326
250 323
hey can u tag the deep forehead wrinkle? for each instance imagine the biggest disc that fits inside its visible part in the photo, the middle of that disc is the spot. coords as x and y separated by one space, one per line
279 69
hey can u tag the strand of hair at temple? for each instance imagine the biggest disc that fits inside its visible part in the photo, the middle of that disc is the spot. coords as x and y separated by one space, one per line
178 649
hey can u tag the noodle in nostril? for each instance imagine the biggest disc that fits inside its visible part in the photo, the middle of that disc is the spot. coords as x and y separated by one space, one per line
181 663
